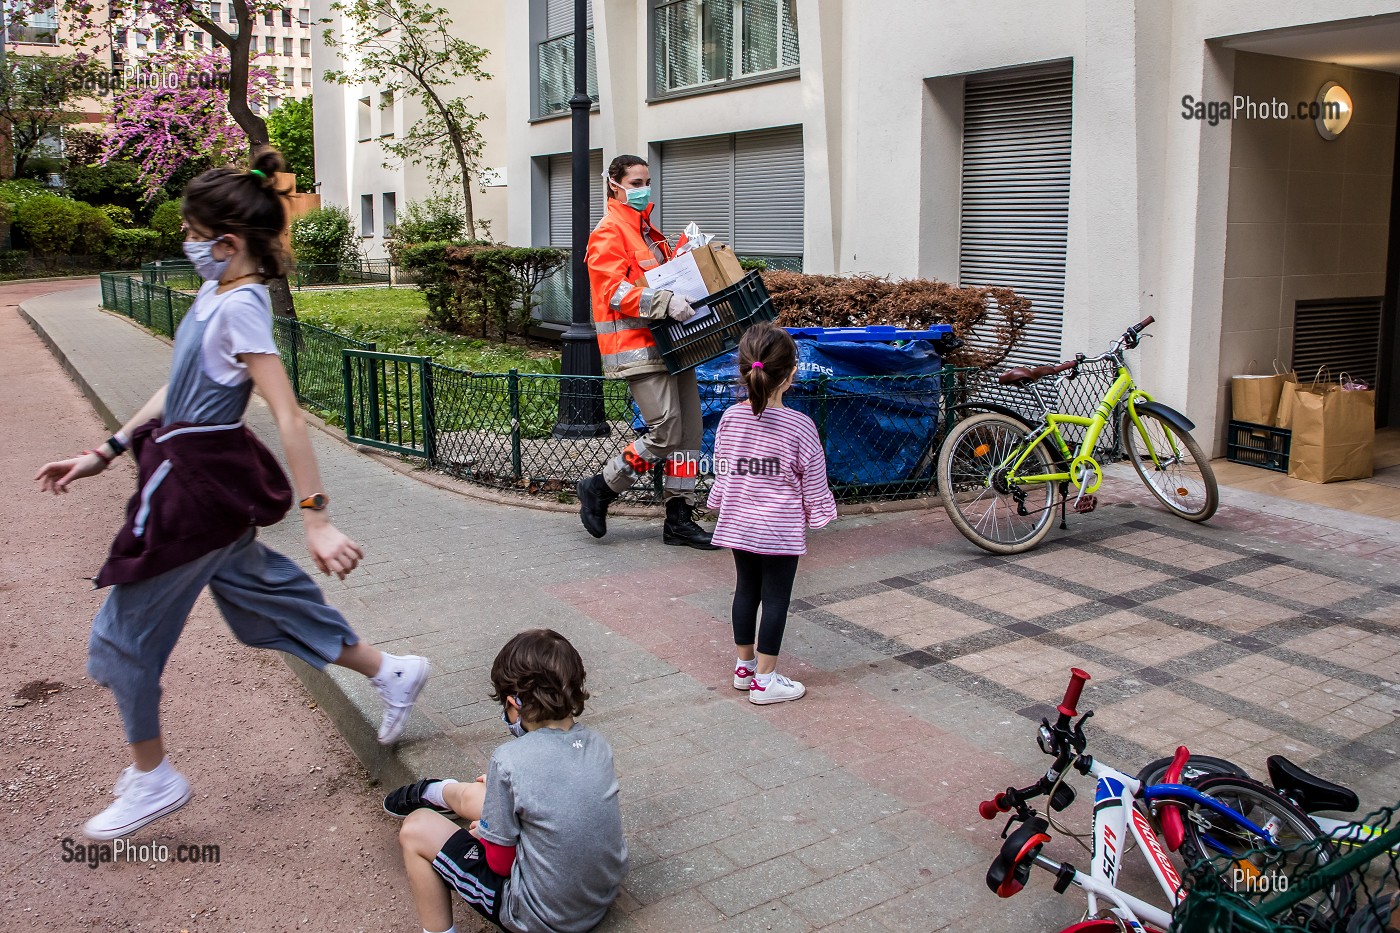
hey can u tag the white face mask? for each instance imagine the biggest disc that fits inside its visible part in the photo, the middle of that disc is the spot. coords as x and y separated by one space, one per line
201 253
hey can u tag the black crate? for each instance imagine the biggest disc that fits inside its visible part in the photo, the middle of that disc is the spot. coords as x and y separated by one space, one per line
1258 445
734 310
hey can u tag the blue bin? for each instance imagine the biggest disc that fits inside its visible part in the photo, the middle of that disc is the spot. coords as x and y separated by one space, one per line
876 431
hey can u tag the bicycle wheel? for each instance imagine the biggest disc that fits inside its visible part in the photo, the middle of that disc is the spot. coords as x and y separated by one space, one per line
1259 867
1171 465
993 514
1197 768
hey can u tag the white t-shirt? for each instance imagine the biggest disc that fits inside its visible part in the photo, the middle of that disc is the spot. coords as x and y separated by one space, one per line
242 324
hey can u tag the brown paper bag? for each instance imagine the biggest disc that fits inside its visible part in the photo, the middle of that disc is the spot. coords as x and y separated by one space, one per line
1256 398
1334 433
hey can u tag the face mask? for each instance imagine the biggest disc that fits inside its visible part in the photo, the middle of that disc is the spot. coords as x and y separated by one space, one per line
637 198
201 253
516 728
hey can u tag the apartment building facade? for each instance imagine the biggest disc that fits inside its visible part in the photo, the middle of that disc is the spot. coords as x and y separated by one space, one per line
1056 148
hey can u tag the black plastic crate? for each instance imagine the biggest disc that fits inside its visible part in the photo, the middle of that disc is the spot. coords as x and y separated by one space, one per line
1258 445
733 310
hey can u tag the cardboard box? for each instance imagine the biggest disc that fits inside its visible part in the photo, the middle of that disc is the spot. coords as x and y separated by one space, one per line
698 273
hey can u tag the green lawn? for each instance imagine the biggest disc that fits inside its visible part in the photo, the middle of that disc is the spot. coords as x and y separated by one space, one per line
395 319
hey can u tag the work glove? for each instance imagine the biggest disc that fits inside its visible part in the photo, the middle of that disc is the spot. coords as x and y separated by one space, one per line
678 309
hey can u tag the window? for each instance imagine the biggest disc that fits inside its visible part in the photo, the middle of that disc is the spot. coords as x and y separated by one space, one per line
269 44
366 114
287 46
160 38
267 18
286 16
199 40
305 48
366 215
304 17
120 38
289 76
708 42
214 12
306 77
40 28
140 40
386 111
553 26
389 211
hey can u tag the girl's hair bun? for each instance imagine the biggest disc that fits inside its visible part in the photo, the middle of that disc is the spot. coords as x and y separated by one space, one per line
269 162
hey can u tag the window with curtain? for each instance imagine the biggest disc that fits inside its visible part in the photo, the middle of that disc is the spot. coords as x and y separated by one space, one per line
709 42
552 22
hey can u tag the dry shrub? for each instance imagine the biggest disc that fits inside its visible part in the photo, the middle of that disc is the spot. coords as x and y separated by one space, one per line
990 321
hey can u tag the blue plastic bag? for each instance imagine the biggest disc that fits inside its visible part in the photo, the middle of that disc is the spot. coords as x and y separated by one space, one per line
875 431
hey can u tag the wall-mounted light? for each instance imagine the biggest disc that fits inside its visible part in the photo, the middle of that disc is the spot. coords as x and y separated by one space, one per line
1333 110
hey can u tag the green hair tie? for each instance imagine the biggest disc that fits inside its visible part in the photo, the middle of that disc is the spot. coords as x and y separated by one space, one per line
258 173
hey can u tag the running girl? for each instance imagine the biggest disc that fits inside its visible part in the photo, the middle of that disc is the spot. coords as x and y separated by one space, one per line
204 483
770 485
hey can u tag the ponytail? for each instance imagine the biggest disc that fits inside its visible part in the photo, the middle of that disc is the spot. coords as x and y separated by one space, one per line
767 357
248 203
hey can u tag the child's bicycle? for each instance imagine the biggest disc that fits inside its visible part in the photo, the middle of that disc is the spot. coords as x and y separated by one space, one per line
1000 476
1202 825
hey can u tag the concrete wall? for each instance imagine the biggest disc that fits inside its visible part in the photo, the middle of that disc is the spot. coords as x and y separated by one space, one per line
1308 217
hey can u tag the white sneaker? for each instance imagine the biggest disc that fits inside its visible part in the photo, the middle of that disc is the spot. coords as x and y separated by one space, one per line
399 687
146 796
778 690
124 780
743 673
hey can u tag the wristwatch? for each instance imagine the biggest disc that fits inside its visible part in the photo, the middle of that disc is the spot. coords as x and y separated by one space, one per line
318 501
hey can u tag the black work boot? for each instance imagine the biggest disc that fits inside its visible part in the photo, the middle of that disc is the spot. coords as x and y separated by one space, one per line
594 497
680 527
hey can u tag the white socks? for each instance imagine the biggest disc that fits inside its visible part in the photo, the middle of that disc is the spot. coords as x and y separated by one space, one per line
751 664
433 794
161 772
765 679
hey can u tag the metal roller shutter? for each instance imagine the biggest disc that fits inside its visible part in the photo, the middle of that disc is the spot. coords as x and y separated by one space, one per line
768 191
1015 195
697 184
746 189
561 217
1343 335
559 17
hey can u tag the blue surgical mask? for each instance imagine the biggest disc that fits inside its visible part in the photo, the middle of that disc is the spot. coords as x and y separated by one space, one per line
200 252
516 728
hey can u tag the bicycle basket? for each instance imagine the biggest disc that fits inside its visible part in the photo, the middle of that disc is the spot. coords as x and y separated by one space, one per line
1347 883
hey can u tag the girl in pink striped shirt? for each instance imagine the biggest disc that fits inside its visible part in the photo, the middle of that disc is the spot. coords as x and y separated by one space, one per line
770 485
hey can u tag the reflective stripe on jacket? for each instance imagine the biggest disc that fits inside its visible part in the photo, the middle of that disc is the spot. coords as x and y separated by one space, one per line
620 250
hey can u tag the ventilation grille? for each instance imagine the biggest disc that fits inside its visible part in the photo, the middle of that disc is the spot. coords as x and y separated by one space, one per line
1342 334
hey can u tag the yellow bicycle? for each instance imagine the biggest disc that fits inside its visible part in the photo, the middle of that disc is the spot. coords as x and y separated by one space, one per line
1001 477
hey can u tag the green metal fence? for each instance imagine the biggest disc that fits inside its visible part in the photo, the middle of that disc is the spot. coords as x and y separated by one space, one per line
881 432
310 354
180 274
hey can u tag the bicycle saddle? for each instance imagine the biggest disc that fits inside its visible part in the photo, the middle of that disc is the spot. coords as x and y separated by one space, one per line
1025 375
1310 792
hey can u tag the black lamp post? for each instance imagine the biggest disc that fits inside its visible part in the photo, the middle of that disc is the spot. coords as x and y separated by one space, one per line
581 399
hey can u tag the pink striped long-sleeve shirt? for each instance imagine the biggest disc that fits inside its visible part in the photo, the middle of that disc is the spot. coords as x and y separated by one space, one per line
770 481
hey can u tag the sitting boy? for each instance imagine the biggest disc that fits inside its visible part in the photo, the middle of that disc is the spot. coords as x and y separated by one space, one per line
544 851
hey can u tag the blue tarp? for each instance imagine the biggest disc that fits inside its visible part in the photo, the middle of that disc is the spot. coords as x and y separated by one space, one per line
876 431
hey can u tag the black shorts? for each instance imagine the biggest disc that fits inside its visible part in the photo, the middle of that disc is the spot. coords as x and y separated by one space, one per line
462 864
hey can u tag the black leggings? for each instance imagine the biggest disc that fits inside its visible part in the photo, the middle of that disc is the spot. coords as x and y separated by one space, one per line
766 579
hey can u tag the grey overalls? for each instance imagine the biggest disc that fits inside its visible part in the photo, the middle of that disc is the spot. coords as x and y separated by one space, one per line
266 599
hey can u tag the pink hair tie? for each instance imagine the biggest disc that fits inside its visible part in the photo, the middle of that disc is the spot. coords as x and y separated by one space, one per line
756 364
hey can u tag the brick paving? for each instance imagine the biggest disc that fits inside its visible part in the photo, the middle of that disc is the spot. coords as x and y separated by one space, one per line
1272 629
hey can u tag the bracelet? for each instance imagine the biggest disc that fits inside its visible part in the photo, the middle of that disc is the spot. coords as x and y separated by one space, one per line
106 461
118 448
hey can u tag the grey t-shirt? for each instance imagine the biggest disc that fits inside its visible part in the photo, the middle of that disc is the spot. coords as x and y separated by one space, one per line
553 795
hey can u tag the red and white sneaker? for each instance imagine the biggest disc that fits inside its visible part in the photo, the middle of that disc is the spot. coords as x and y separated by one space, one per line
743 674
779 689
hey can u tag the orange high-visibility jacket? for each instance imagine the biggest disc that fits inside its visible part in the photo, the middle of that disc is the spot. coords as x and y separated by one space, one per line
621 248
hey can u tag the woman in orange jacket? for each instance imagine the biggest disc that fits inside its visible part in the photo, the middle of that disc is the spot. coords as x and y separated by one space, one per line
621 249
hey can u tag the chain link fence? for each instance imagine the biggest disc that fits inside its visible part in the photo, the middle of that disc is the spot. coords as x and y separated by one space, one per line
497 429
1079 396
180 274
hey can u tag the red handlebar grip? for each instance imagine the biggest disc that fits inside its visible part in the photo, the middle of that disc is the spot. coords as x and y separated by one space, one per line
1142 325
989 809
1076 687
